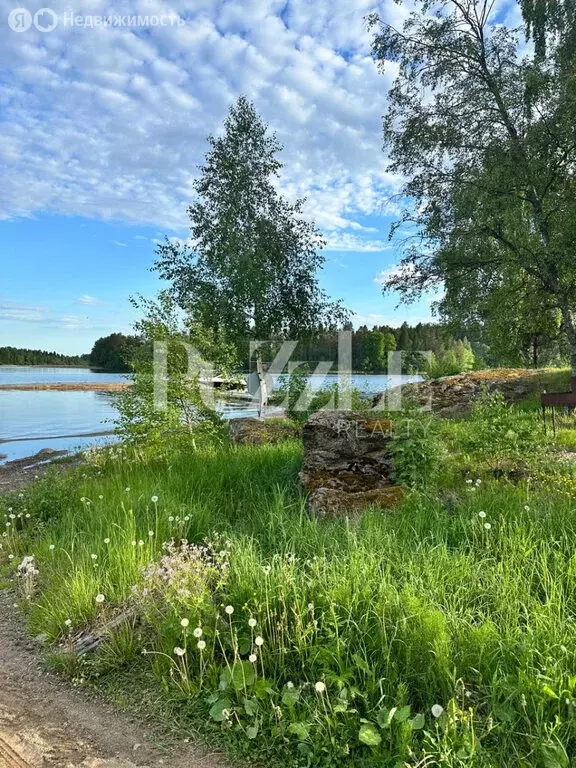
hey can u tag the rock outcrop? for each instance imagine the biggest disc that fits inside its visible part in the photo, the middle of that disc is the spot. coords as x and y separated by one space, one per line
453 396
252 431
347 465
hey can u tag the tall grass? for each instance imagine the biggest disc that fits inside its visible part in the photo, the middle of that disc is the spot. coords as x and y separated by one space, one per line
442 632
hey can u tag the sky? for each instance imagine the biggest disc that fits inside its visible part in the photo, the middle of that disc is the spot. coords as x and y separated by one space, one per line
102 129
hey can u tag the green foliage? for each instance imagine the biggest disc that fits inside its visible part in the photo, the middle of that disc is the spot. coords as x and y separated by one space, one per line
458 357
500 431
251 270
416 449
434 633
164 408
18 356
482 128
115 352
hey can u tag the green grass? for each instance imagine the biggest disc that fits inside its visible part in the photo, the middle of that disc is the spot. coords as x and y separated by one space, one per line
463 598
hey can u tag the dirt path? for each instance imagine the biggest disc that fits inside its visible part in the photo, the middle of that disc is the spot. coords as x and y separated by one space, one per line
44 722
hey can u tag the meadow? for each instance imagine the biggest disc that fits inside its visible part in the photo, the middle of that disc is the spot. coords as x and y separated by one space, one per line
439 633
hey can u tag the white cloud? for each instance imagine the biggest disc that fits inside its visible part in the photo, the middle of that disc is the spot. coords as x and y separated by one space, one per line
29 314
120 244
86 299
110 122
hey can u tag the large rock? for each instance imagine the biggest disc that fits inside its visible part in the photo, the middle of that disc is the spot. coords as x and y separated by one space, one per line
347 465
453 396
252 431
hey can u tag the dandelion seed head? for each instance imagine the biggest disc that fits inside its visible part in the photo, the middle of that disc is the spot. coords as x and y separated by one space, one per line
184 623
252 622
154 499
198 632
201 644
100 598
320 687
229 610
437 710
179 651
252 658
259 641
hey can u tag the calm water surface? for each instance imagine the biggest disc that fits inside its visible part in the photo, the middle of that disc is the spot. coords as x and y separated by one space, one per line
31 421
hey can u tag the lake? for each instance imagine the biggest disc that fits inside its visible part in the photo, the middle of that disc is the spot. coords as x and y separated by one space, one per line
31 421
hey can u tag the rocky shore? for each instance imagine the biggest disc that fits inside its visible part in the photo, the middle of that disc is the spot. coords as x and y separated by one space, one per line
453 396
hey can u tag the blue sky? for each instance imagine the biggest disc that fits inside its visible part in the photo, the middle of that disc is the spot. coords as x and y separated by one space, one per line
103 128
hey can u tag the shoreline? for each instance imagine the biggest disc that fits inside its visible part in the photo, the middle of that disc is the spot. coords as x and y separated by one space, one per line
80 386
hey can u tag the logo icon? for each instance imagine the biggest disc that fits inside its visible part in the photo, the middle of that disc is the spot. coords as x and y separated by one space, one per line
45 20
19 20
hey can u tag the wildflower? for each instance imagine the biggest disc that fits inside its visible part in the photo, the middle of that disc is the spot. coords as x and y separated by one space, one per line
100 497
320 687
100 598
482 514
68 622
179 651
252 658
252 622
154 499
259 641
478 482
437 710
20 495
229 610
133 543
52 547
290 685
171 519
469 481
150 533
184 623
487 526
127 490
527 508
140 543
201 645
198 632
94 557
10 557
106 541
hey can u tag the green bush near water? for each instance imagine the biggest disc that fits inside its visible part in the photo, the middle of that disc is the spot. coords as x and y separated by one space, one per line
440 633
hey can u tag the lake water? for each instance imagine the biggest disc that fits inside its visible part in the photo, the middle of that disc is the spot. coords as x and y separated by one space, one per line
31 421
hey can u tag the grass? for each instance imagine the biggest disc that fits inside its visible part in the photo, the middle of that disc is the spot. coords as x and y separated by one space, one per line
441 633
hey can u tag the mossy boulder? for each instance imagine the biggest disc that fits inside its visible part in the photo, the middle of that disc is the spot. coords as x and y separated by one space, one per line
347 463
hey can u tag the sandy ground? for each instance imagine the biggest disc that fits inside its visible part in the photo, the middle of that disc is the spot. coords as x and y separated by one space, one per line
44 721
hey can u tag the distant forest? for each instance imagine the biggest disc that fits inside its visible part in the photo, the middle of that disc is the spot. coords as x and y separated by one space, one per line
450 351
17 356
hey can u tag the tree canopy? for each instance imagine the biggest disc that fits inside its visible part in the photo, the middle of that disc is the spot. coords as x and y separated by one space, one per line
114 352
482 125
250 267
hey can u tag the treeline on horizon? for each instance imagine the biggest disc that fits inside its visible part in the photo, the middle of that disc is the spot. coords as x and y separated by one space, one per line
449 351
21 356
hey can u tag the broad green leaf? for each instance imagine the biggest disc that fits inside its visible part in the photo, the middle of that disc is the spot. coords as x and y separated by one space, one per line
217 709
369 735
402 714
418 722
300 730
